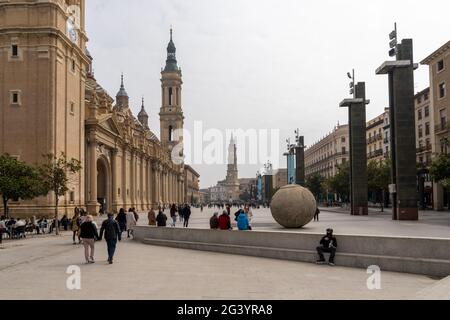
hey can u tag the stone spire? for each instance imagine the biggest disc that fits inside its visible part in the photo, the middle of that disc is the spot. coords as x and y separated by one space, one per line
143 116
171 62
122 98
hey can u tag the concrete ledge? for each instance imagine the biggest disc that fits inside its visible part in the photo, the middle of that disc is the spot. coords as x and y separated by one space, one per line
409 255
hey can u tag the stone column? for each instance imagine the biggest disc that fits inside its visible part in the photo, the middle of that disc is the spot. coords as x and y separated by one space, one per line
403 145
115 189
124 177
143 186
93 206
358 150
132 178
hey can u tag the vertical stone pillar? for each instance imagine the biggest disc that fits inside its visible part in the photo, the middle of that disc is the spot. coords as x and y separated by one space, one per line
93 205
358 147
142 182
300 160
402 109
123 192
115 189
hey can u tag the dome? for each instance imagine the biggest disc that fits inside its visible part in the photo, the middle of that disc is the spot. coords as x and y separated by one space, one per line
122 92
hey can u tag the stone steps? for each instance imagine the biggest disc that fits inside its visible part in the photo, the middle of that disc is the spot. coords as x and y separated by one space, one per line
431 267
425 256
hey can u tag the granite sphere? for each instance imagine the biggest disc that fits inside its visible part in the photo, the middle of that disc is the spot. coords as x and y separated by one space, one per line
293 206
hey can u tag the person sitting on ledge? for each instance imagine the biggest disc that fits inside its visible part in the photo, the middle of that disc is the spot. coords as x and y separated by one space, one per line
214 221
225 221
161 219
328 244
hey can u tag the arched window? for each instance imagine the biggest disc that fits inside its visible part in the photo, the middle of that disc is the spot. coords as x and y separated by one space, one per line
170 96
170 133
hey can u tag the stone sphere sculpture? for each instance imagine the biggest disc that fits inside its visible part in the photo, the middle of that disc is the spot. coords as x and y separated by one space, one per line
293 206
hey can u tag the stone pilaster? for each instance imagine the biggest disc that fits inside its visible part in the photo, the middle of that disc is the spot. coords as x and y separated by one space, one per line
92 207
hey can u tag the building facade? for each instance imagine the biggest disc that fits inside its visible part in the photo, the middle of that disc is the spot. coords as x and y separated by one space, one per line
424 128
192 181
439 71
49 88
280 178
326 155
375 138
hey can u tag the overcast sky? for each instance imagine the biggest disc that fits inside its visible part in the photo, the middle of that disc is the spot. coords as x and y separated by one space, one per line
258 63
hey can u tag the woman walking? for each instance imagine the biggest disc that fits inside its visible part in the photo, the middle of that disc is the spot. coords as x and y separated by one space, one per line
131 222
89 234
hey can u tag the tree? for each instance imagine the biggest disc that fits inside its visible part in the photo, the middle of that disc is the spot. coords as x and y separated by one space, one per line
340 183
378 179
18 181
440 170
315 184
56 175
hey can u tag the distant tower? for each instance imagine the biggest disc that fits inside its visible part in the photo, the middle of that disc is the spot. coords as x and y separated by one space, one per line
171 113
232 173
143 116
122 98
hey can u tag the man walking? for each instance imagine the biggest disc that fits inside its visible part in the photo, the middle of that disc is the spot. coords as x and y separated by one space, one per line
187 215
328 244
112 233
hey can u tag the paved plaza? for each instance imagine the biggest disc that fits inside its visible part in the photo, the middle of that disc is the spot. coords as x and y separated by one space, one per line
431 224
36 269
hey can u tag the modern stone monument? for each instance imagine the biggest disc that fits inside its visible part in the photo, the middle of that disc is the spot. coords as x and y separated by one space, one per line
403 135
293 206
358 150
300 161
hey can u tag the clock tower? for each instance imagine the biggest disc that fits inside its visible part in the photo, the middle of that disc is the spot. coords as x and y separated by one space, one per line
43 67
171 113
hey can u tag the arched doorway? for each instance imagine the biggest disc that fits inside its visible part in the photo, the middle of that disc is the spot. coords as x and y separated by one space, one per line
103 185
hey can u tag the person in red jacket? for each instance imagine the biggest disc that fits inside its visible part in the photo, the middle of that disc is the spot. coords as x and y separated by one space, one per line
225 221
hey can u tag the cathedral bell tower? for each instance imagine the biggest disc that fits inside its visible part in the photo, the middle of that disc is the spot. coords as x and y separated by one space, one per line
171 113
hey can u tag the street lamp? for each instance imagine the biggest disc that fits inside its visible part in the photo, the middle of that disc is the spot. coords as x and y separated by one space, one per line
393 43
351 76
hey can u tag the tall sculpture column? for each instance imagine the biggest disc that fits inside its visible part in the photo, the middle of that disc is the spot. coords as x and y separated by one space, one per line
93 205
300 161
403 136
115 190
358 147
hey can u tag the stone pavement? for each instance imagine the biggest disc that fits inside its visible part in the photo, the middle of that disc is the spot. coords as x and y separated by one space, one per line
431 224
36 269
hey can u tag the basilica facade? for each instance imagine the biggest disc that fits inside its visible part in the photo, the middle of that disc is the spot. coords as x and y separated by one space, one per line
52 103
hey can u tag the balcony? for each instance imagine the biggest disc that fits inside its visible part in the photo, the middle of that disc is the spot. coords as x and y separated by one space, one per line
375 154
442 127
374 139
423 149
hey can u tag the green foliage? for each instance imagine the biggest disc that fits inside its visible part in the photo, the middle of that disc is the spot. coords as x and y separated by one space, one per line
378 176
315 184
18 181
340 183
55 173
440 170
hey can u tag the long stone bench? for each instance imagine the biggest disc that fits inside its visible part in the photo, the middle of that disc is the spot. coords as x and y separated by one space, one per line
409 255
